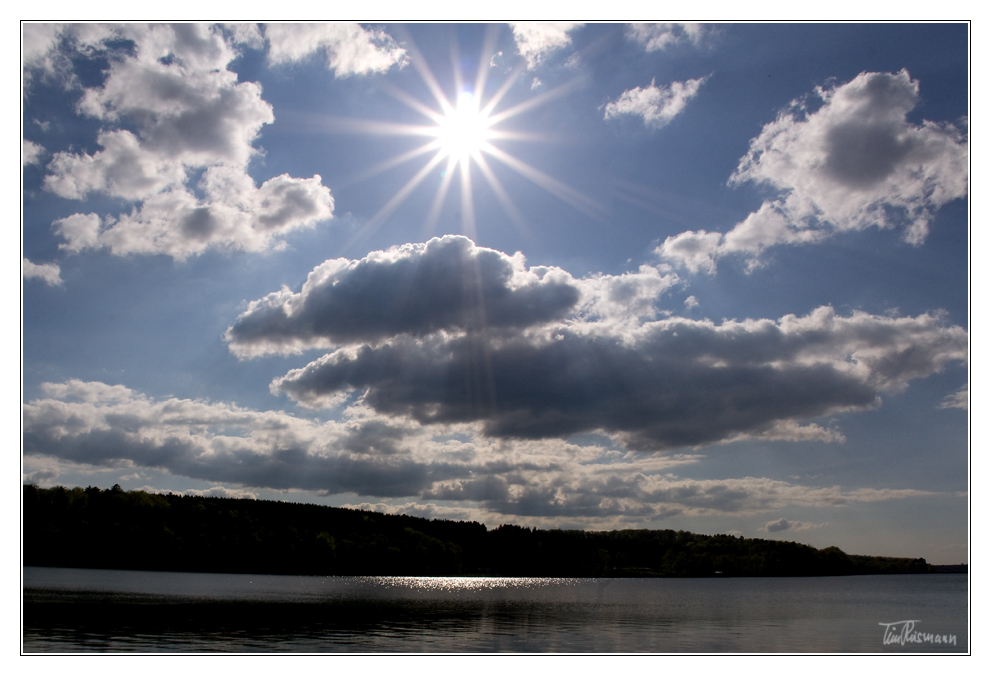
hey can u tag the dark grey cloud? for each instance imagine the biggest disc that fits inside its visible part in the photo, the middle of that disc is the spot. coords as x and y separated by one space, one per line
447 284
280 469
101 427
670 384
862 154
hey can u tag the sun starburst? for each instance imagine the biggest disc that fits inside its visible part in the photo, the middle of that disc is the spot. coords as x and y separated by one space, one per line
464 129
464 133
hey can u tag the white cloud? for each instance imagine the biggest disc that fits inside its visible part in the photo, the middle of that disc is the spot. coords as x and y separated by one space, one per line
30 152
190 113
535 41
80 231
222 492
658 36
691 302
38 43
349 48
235 215
631 296
47 272
246 34
854 163
959 399
657 105
124 168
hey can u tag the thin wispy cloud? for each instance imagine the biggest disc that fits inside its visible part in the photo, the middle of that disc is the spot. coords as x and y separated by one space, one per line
656 104
659 36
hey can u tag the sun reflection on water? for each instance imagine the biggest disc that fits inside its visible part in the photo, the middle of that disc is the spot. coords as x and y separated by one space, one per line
453 584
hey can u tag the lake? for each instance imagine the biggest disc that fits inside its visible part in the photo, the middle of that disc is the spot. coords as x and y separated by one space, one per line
70 610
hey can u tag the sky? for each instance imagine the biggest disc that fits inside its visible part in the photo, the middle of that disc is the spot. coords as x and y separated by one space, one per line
710 277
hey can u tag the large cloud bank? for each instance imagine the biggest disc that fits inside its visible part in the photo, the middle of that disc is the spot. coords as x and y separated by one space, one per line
853 163
93 424
450 333
178 132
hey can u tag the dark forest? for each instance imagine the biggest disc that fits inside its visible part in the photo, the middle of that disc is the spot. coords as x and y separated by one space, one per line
117 529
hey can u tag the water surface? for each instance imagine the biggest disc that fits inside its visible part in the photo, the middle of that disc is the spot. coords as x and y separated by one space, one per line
77 610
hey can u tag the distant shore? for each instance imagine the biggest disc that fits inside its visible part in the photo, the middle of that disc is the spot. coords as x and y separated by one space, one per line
117 529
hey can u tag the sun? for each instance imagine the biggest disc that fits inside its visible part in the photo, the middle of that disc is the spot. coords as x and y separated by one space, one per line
464 130
462 136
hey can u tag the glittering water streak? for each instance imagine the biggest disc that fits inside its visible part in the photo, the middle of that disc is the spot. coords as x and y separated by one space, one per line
72 610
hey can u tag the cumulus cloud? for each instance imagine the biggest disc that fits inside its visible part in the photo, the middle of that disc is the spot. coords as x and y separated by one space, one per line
852 163
450 333
535 41
170 107
235 214
657 105
348 48
94 425
50 273
447 284
670 383
31 153
658 36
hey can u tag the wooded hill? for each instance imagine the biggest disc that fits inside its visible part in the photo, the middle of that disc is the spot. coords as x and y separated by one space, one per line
94 528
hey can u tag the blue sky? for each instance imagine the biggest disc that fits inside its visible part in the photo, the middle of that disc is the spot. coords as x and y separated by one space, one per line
702 277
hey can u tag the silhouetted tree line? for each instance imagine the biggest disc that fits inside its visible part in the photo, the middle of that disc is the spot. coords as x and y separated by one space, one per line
94 528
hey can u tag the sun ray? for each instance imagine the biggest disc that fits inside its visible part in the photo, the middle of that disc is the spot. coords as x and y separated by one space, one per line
390 163
503 197
538 100
503 90
531 137
420 64
467 203
349 125
414 103
488 46
556 188
396 200
459 84
445 185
